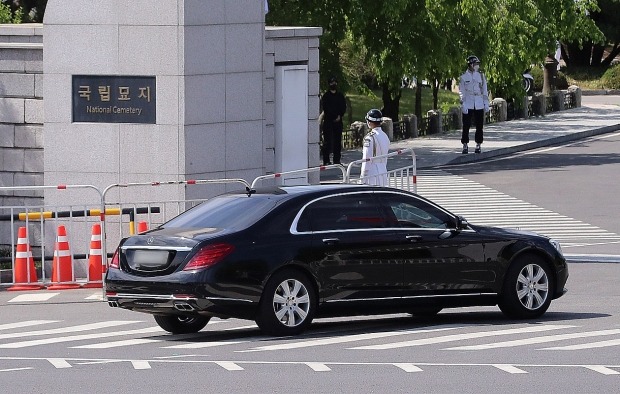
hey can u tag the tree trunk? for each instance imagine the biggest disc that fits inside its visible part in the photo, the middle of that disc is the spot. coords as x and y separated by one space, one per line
578 57
597 55
390 104
418 102
615 51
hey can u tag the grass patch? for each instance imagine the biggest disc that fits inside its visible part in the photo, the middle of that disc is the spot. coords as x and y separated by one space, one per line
360 103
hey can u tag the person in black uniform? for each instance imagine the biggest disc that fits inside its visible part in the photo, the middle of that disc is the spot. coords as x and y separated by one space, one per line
334 106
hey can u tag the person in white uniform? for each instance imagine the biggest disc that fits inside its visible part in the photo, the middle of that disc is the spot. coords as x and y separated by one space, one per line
376 143
474 101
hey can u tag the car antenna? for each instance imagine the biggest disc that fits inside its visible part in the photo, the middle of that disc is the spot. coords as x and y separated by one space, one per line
249 191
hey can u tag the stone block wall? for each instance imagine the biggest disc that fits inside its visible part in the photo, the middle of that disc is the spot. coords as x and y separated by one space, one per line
21 112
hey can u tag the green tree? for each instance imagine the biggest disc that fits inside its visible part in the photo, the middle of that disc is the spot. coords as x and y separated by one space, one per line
590 53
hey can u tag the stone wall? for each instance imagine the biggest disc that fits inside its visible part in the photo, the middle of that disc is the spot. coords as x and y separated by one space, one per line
21 112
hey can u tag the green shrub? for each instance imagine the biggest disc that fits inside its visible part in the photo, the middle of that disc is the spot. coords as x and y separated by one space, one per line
611 78
7 16
537 73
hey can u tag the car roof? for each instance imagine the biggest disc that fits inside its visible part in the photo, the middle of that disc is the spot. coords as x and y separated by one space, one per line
286 192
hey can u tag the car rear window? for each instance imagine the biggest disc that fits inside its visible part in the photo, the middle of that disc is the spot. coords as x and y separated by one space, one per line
231 211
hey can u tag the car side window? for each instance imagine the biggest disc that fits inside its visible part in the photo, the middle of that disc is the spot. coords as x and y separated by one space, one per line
344 212
413 212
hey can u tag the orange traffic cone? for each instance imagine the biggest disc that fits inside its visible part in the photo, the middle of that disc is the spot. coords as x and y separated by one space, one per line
142 227
95 262
62 265
24 271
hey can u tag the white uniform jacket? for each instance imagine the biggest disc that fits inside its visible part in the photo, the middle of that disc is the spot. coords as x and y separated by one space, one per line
374 171
473 91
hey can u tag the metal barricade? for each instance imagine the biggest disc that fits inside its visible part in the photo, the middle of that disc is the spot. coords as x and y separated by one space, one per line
33 219
403 177
279 175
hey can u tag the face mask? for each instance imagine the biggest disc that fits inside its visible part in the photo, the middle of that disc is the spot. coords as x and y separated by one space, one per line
333 86
476 67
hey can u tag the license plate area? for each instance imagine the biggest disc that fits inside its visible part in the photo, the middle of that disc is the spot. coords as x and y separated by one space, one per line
148 260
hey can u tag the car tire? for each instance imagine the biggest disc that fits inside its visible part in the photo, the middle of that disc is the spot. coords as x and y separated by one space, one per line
528 288
181 324
287 304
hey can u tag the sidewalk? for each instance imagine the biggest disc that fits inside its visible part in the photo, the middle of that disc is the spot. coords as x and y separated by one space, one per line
504 138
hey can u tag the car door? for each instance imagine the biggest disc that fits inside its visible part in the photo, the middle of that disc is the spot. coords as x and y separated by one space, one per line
437 258
353 248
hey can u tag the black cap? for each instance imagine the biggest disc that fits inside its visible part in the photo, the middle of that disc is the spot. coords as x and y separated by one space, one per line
332 79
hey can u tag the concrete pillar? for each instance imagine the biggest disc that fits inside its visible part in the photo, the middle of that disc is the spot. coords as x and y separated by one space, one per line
205 59
576 91
388 127
502 106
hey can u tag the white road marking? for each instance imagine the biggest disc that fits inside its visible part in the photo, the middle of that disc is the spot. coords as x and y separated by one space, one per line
27 323
95 296
229 365
319 367
460 337
509 368
591 345
59 363
408 367
15 369
344 339
64 330
33 297
22 344
535 340
199 345
606 369
108 345
137 364
602 369
486 206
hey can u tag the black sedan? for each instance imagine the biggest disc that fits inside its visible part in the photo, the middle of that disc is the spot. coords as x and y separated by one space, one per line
283 256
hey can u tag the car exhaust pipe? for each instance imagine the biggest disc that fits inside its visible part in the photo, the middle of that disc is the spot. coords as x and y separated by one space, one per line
113 304
183 306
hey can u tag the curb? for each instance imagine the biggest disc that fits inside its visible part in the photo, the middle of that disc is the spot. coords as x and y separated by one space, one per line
528 146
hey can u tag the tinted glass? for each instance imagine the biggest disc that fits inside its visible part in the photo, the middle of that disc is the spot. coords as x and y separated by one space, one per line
224 212
413 212
344 212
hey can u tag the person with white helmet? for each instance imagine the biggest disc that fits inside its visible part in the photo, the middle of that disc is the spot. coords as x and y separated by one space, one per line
376 143
474 101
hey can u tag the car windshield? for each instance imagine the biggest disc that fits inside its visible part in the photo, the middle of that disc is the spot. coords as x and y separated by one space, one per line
230 211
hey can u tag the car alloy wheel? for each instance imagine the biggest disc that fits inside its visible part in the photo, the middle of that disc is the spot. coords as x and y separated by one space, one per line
181 324
527 289
288 304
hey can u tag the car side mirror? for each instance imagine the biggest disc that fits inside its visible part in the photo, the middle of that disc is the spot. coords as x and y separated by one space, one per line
461 223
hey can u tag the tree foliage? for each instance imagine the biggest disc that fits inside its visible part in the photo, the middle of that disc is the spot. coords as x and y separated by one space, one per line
430 39
590 52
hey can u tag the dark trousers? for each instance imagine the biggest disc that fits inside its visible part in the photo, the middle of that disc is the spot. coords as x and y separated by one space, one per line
332 141
478 115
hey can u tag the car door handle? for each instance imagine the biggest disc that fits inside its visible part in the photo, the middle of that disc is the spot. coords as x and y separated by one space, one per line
413 238
330 241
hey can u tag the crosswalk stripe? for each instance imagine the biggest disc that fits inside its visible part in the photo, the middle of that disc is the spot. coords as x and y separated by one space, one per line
460 337
199 345
344 339
28 323
590 345
486 206
109 345
38 342
64 330
535 340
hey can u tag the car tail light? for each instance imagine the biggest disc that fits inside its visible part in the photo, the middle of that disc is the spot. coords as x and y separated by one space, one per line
115 263
208 256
